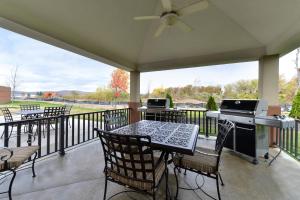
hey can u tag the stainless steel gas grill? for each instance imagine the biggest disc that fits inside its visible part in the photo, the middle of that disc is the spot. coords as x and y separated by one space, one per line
247 138
155 107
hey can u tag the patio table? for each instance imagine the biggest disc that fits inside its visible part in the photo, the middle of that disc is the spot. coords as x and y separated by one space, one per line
166 136
31 112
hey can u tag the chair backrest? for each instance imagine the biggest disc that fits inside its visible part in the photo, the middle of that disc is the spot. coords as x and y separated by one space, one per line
115 119
175 116
54 111
7 115
26 107
224 129
129 156
68 109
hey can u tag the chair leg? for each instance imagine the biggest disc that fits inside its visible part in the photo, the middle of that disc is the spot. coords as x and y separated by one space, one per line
33 162
218 189
222 183
2 134
105 188
12 128
11 183
153 196
185 172
177 186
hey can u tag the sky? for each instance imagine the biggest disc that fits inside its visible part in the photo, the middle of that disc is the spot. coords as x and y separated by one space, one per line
42 67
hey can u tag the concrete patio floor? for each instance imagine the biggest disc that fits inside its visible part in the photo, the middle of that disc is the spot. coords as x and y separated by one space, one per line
78 176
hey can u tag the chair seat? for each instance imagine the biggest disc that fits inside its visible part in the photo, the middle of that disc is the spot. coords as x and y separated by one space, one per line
199 162
20 155
139 182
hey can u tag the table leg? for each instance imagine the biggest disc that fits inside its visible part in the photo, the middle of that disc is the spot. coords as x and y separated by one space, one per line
166 174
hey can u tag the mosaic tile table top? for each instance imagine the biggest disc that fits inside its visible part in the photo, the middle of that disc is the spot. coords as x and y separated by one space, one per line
175 137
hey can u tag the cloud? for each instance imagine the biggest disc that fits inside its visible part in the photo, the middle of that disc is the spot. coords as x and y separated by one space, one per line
45 67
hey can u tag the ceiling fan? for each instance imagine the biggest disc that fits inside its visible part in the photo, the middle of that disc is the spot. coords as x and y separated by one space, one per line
170 17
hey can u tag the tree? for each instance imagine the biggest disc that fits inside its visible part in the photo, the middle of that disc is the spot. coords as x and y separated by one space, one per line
295 112
168 96
13 81
211 104
297 66
243 89
119 82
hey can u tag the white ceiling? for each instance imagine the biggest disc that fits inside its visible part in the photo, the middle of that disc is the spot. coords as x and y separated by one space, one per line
228 31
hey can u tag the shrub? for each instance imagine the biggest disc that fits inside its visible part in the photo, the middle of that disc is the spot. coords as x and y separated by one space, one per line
211 104
168 96
295 111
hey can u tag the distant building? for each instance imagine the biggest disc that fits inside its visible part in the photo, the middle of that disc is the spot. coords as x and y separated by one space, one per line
5 94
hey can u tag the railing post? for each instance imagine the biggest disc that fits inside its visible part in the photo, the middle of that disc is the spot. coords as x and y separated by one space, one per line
206 126
62 136
296 138
6 138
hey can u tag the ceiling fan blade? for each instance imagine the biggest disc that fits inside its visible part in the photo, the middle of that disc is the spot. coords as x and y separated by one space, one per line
183 26
193 8
146 17
167 5
160 29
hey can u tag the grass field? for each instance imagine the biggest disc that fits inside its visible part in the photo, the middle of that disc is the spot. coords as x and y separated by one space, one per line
15 106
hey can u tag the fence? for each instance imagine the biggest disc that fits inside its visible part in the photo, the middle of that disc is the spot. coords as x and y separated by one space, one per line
55 134
288 140
207 126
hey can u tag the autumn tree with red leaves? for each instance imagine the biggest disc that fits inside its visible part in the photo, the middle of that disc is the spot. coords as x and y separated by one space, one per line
119 82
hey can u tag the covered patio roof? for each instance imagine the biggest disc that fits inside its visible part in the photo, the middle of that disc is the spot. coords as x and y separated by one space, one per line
227 31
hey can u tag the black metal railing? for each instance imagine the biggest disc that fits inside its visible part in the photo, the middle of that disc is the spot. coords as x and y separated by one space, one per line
207 126
288 140
55 134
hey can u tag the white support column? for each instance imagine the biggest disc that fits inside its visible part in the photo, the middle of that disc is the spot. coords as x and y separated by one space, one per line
134 96
268 81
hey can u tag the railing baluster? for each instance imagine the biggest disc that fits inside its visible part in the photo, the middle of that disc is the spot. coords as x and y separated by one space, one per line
73 132
67 130
48 135
296 139
56 135
39 130
93 132
83 127
19 134
292 141
78 129
89 127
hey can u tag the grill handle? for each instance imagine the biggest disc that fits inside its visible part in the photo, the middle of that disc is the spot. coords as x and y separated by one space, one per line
247 129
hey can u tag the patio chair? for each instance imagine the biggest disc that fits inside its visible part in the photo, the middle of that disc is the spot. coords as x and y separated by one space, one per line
205 161
50 112
129 161
68 109
115 119
8 118
27 107
12 158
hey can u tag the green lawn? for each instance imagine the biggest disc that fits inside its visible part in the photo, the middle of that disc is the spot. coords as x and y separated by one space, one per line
15 106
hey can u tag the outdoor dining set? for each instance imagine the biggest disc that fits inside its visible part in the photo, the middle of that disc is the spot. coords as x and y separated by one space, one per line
139 155
34 111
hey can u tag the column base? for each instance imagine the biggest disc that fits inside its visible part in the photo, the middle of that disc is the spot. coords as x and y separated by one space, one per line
273 110
134 113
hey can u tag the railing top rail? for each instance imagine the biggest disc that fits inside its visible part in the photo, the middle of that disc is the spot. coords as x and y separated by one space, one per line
25 121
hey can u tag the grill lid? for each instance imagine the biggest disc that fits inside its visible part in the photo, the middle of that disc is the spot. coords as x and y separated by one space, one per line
239 106
158 103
